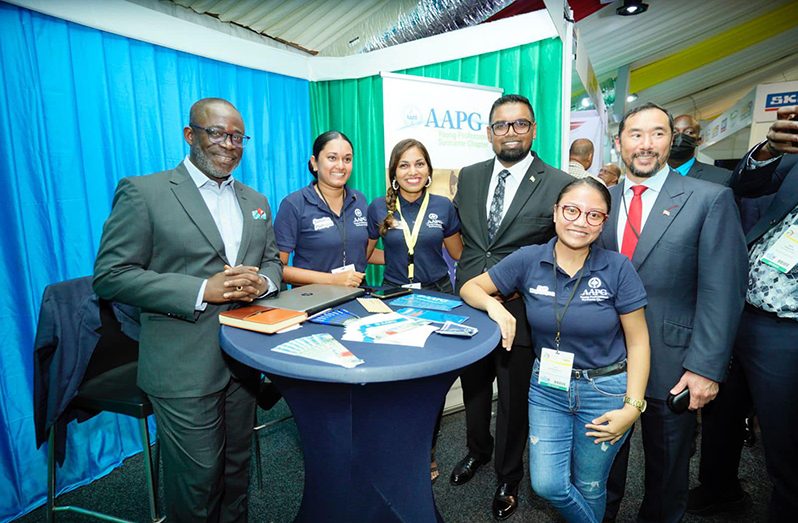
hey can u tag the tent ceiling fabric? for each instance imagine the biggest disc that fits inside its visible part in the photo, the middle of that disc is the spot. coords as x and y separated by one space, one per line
347 27
690 56
660 44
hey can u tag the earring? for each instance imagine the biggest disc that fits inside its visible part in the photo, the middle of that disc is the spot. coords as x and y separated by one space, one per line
429 181
394 185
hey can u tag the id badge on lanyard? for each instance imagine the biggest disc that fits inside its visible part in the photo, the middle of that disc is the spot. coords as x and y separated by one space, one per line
411 238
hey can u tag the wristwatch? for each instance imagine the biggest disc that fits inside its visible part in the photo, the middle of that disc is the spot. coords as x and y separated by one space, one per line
638 404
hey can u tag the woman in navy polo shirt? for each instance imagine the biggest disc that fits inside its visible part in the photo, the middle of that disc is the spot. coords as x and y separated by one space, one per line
410 220
587 386
325 223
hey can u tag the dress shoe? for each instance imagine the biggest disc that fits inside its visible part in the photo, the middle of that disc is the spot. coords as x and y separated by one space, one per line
701 502
505 501
465 470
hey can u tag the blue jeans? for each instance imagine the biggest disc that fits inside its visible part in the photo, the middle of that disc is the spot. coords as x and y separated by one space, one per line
566 467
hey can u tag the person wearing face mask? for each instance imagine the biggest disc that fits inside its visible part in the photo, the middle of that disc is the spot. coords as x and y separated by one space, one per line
325 224
686 137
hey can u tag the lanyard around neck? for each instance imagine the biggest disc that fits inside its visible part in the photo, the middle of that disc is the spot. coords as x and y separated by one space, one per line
339 221
559 316
412 237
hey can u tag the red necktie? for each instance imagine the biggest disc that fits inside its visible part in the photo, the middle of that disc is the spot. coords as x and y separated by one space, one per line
633 219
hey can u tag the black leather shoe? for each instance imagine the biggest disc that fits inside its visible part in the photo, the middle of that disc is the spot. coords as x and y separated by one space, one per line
505 501
465 470
702 503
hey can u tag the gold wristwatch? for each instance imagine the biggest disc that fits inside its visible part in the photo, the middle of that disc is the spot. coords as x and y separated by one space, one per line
638 404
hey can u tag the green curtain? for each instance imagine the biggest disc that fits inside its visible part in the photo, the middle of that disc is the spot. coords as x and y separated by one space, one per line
354 107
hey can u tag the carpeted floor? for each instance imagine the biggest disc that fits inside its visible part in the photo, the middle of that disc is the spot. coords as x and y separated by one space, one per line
277 500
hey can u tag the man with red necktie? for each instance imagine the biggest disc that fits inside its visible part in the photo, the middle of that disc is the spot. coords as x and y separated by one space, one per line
685 240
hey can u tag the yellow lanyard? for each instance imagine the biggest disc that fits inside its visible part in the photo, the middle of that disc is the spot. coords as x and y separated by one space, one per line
412 237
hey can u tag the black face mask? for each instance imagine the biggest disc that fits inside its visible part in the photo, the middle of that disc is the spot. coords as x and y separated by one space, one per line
683 147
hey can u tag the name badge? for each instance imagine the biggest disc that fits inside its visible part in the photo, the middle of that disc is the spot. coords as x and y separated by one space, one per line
783 255
555 369
345 268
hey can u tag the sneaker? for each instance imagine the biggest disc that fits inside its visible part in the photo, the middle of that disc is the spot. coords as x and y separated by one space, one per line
701 503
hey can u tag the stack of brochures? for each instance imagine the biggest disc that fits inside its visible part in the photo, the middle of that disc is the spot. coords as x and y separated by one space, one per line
424 301
320 347
392 329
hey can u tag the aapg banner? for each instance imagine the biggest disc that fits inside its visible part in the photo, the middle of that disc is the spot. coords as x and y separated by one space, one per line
449 118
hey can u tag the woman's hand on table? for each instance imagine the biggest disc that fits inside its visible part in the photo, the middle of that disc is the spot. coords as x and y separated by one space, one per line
612 425
347 278
504 319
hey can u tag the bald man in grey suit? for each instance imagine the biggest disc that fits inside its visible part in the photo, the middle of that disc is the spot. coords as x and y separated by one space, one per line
184 245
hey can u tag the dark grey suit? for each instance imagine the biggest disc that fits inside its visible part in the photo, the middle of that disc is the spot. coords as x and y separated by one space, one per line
159 244
692 259
528 221
710 173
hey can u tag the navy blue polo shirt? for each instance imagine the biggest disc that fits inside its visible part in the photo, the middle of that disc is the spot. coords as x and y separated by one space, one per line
591 328
305 226
440 221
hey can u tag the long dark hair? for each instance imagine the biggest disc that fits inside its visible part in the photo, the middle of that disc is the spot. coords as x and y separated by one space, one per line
391 194
322 140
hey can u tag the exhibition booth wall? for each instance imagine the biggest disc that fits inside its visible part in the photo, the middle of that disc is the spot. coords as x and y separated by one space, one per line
83 108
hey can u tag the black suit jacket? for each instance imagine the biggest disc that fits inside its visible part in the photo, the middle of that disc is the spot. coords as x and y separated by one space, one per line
710 173
528 221
779 179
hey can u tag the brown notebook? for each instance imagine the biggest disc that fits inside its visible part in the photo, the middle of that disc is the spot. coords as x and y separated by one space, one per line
261 319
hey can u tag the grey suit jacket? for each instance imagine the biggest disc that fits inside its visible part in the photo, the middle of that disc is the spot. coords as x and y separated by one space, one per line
528 221
692 259
158 245
710 173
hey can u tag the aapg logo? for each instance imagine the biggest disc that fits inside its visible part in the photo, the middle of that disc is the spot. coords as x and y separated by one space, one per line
412 117
594 293
360 220
433 216
358 213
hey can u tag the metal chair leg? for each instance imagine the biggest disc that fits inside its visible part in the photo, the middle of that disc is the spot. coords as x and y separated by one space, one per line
152 486
258 468
51 476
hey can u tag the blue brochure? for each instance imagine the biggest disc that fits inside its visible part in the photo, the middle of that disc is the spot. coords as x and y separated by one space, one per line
423 301
433 316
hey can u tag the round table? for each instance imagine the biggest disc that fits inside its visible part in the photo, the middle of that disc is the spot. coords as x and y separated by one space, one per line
366 432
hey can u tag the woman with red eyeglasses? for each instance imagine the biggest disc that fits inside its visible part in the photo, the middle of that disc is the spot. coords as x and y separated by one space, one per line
585 308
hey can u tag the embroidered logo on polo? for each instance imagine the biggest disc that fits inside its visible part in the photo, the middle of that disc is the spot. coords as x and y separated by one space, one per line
433 222
541 290
259 214
360 220
325 222
594 292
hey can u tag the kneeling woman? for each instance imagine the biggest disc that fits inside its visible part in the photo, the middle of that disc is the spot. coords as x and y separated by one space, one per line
414 224
587 385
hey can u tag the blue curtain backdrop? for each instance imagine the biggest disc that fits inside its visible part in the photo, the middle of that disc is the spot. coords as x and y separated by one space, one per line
80 109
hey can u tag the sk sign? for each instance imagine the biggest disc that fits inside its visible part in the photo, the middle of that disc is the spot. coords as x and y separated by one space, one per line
775 100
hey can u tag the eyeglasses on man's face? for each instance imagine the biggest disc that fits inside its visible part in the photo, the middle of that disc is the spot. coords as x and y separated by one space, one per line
216 135
519 127
572 213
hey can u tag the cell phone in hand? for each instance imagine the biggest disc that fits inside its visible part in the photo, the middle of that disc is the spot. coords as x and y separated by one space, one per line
390 292
679 403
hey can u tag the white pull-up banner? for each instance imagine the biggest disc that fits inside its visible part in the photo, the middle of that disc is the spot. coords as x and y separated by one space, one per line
449 118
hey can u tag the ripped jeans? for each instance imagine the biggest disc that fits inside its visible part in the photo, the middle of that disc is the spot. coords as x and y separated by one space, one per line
566 467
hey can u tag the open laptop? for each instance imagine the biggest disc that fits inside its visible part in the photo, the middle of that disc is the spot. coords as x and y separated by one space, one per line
312 298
